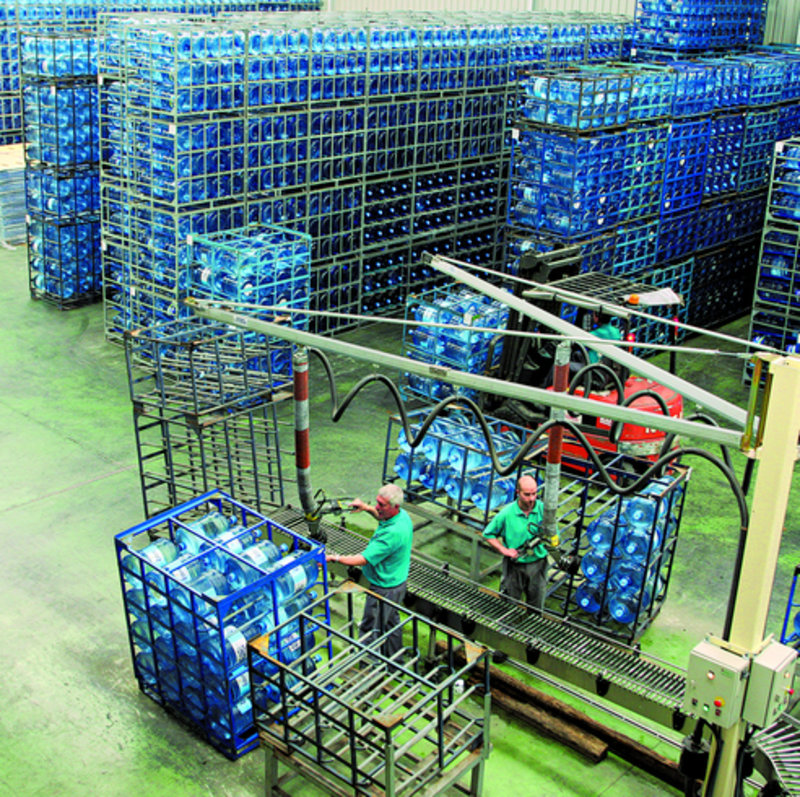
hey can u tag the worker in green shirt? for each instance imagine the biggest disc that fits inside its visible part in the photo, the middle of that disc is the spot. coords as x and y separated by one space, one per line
514 533
385 562
605 330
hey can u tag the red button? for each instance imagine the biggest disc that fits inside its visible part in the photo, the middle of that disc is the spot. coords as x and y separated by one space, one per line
719 702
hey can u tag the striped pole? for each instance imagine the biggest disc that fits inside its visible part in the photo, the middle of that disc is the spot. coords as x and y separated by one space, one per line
302 450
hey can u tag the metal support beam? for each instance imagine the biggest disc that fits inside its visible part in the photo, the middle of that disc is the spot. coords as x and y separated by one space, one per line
575 405
770 498
725 409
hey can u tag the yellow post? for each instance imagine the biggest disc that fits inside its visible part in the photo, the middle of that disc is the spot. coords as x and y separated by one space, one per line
776 456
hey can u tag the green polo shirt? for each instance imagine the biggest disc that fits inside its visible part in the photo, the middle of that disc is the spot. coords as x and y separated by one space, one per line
388 553
514 529
606 332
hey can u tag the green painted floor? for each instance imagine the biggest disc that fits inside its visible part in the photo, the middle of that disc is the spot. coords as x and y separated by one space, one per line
72 720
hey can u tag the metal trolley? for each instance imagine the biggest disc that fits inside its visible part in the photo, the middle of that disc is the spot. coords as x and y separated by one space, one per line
343 715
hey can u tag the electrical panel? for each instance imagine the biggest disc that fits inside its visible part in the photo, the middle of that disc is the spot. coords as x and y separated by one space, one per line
715 684
770 688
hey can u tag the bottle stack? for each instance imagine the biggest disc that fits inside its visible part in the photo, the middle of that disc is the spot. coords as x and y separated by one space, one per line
199 582
62 157
630 548
689 204
10 98
12 195
452 465
692 27
455 328
775 319
203 399
380 136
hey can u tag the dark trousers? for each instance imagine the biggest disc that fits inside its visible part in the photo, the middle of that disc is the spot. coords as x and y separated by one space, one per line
380 617
529 578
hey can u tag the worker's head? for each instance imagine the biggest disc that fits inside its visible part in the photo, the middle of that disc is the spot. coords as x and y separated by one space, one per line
526 492
390 496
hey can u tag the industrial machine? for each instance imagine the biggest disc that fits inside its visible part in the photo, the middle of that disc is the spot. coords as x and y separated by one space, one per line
739 673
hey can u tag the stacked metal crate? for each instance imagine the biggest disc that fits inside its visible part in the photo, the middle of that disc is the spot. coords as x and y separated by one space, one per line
775 317
379 136
62 176
10 99
695 27
204 410
12 195
201 580
723 118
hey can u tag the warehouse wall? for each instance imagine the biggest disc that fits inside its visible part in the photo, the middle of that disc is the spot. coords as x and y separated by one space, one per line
783 16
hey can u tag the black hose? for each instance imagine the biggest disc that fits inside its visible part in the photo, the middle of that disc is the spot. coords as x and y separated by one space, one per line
605 477
616 427
709 421
592 368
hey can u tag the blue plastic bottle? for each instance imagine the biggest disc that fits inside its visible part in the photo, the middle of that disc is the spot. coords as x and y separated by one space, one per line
261 557
297 579
408 469
588 596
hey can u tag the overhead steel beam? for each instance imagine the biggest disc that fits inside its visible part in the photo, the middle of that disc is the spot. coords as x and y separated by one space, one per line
573 404
708 401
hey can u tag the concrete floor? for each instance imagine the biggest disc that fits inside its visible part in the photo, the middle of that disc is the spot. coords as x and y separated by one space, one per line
73 720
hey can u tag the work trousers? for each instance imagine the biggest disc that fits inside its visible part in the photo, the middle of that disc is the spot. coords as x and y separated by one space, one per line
379 617
529 578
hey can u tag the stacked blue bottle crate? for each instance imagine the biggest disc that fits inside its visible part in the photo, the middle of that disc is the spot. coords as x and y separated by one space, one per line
626 550
695 27
790 633
451 465
379 136
775 319
725 114
199 581
62 167
455 328
257 266
10 98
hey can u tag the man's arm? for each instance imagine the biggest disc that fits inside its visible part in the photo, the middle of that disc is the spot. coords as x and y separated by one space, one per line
512 553
358 506
354 560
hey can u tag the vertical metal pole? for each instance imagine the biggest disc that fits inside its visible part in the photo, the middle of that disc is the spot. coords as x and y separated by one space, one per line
302 449
552 472
777 455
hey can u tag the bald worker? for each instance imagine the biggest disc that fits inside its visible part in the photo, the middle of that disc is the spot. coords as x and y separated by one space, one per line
514 533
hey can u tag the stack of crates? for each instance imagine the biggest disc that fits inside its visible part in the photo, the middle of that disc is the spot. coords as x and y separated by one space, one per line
10 100
199 581
456 329
723 116
790 633
675 28
775 319
12 194
204 410
380 136
62 167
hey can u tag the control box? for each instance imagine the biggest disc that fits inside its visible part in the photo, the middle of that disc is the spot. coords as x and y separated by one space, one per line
771 684
715 684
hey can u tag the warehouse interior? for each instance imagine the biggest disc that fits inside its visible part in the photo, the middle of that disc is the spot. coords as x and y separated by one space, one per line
78 715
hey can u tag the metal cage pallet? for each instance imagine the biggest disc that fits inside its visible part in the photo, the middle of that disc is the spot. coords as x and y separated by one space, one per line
329 724
198 581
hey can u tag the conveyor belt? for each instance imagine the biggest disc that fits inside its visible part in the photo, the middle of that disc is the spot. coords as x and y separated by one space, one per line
624 676
778 753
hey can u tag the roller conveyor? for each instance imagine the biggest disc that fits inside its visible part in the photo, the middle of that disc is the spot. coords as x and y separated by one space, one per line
622 675
778 753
